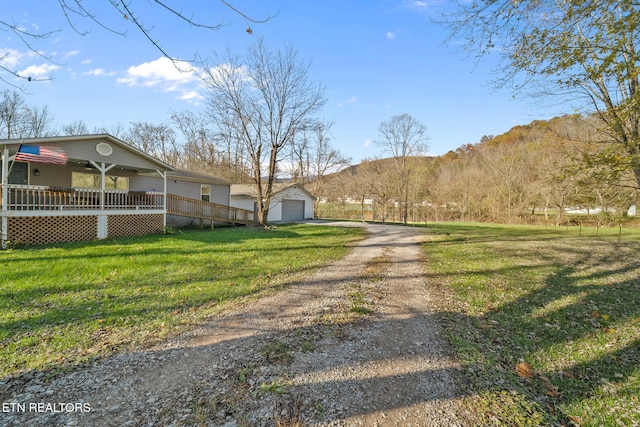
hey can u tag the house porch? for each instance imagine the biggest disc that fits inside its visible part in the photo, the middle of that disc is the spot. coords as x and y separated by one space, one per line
40 215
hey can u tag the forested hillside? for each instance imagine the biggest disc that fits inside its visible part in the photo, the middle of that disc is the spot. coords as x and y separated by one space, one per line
532 173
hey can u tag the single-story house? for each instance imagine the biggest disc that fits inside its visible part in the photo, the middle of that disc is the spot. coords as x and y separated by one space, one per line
187 183
193 185
72 188
289 202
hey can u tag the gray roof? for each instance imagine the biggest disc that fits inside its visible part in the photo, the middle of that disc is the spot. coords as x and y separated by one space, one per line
80 139
189 175
250 190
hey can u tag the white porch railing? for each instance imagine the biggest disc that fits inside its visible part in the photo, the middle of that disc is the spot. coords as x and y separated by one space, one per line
31 197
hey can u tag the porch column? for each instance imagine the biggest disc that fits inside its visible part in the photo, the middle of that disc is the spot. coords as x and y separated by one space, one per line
102 232
103 168
5 195
164 196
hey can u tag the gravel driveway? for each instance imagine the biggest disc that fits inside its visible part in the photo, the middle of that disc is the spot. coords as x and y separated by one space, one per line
355 344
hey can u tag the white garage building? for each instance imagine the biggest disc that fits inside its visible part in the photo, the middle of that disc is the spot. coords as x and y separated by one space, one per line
289 202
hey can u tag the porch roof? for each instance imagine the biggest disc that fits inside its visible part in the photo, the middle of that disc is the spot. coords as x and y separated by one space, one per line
97 148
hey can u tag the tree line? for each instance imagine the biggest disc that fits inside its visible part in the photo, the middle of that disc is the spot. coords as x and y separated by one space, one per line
532 173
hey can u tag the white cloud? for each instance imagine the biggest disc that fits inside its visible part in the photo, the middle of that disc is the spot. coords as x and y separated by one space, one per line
390 35
191 96
10 57
367 143
38 71
97 72
219 71
160 73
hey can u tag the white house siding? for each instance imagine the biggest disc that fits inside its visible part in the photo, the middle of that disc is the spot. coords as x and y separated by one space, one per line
243 202
291 194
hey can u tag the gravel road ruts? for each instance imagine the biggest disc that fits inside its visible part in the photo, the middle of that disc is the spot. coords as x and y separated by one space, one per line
355 344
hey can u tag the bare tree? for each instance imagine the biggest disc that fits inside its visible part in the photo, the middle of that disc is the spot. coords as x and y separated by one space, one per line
376 180
199 149
506 167
158 141
206 148
78 127
313 158
402 136
263 102
18 120
14 114
40 122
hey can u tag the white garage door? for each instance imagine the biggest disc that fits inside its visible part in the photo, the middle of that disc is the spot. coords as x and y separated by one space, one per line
292 210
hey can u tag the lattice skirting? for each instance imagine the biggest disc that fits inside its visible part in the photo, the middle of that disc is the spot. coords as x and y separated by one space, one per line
134 225
43 230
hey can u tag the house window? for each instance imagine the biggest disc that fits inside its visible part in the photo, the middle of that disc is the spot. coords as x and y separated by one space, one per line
205 193
92 180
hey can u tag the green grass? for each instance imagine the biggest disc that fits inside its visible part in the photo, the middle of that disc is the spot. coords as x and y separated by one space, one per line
545 321
65 304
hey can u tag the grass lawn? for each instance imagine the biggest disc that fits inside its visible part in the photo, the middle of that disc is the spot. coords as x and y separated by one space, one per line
545 322
66 304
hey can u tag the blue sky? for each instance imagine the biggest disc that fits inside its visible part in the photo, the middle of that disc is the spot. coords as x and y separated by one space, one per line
375 58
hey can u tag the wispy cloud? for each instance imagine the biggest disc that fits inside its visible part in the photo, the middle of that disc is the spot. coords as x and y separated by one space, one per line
99 72
367 143
391 35
71 53
352 100
416 4
191 96
422 6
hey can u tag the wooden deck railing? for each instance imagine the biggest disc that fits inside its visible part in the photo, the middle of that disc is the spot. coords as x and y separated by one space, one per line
31 197
194 208
41 198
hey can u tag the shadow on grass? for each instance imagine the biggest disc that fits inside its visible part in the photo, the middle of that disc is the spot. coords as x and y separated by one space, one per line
567 307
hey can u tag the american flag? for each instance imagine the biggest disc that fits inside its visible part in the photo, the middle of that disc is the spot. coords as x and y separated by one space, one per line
41 154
